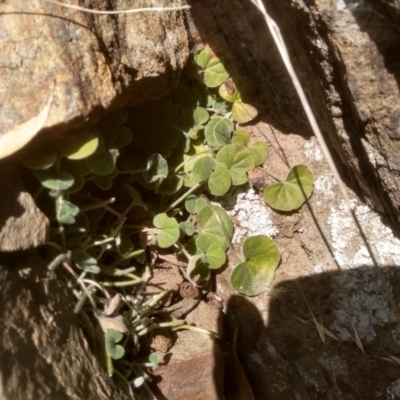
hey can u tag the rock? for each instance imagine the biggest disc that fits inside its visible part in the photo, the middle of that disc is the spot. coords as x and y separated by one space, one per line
95 62
195 370
22 224
43 353
346 58
206 317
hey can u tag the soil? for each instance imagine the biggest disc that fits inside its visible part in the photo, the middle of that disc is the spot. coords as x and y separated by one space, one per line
324 328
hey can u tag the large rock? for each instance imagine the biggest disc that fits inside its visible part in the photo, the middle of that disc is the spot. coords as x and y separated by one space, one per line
347 59
43 353
95 62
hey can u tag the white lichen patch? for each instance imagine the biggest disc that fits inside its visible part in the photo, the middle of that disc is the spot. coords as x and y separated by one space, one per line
251 215
312 150
359 296
324 185
349 249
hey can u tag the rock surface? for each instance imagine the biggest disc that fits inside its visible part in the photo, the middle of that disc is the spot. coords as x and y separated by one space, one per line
95 62
346 55
22 224
43 353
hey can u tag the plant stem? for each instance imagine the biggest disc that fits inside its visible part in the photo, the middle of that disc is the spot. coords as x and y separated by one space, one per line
183 197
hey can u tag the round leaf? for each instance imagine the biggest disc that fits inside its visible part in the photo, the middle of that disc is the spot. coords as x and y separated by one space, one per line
169 233
215 72
123 136
102 163
238 160
103 182
210 225
194 204
66 211
86 262
242 112
220 180
241 136
229 92
254 276
115 350
212 254
42 158
292 193
218 131
259 151
203 168
80 145
157 168
55 180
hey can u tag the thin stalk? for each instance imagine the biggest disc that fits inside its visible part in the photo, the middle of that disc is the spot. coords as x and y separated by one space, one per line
183 197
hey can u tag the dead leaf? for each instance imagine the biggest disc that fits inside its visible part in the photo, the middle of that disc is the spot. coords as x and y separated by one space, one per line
116 323
20 135
112 305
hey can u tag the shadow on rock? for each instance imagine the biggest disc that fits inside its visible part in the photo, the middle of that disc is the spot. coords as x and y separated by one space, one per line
288 358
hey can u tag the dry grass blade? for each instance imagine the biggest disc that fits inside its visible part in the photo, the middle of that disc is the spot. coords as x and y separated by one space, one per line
131 11
357 339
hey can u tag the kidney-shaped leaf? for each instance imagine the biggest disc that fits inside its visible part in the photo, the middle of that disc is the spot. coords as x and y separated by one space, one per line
220 180
241 136
255 274
238 160
157 168
115 350
211 225
212 254
215 72
86 262
203 168
292 193
194 204
242 112
102 162
66 211
169 233
218 131
80 145
259 151
61 180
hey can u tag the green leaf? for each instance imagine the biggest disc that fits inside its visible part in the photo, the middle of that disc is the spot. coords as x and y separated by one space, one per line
55 180
78 184
86 262
124 244
103 162
292 193
215 72
169 233
171 184
203 168
197 272
241 136
115 350
157 168
259 151
212 254
153 358
76 167
229 92
218 131
66 211
255 274
186 228
242 112
194 204
210 225
219 181
79 145
103 182
194 117
238 160
41 158
123 136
